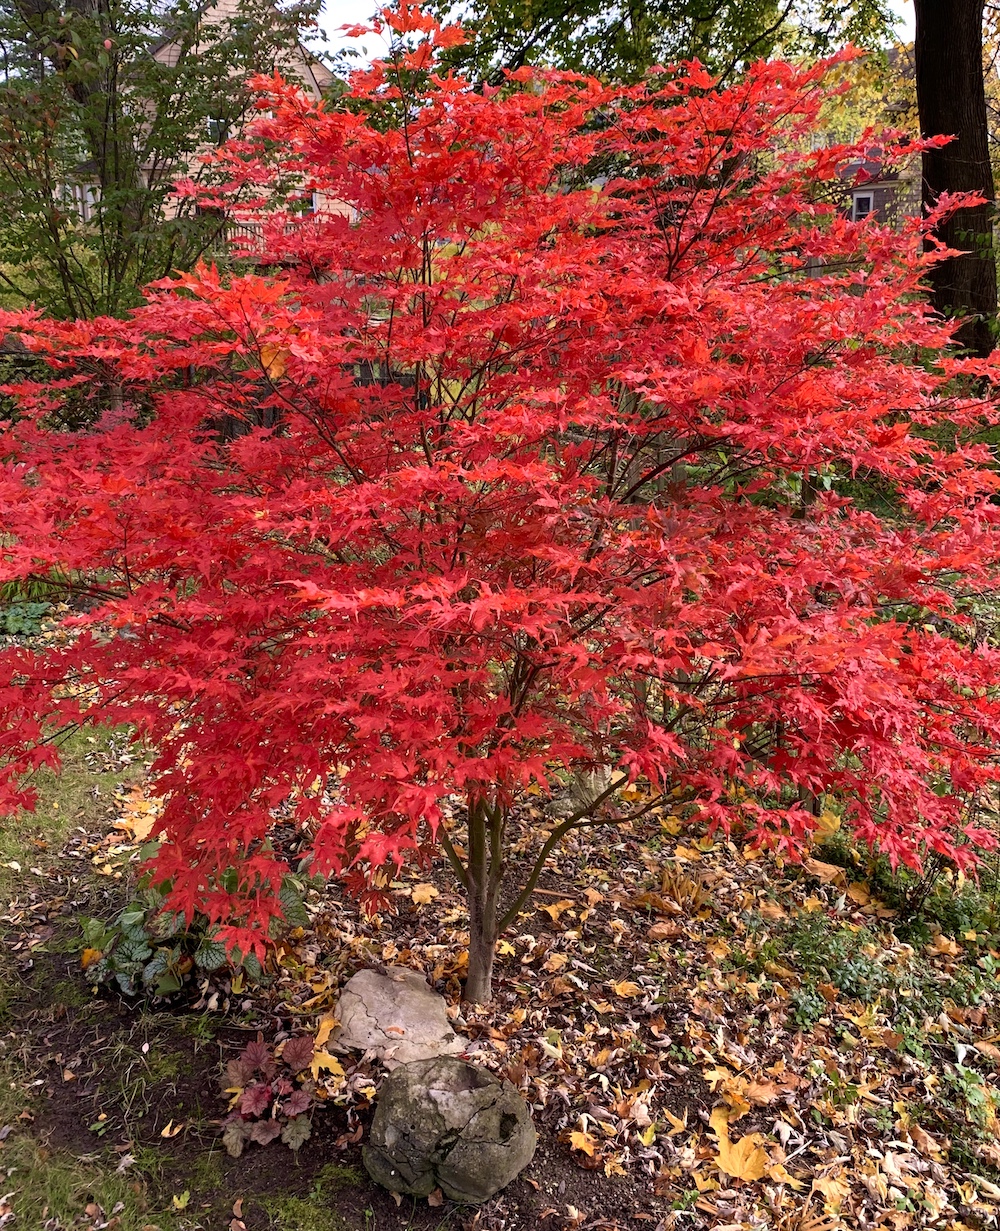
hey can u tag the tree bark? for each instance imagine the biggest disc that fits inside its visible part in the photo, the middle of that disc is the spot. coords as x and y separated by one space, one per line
951 100
484 873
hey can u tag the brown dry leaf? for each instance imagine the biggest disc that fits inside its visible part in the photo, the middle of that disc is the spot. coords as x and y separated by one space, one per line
763 1092
436 1198
943 946
593 897
859 892
924 1142
557 908
274 359
828 873
744 1159
990 1050
664 931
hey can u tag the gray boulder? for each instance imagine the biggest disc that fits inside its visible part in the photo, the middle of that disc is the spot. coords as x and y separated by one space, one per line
448 1124
395 1015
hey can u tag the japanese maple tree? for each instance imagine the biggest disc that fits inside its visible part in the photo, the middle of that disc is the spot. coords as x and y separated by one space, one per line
576 430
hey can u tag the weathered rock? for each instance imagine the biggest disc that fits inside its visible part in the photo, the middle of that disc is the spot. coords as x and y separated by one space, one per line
396 1015
448 1124
582 791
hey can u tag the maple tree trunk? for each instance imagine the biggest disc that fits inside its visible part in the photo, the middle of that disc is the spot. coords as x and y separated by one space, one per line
484 873
951 100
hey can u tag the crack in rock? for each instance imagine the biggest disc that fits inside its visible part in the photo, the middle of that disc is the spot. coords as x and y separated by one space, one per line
445 1123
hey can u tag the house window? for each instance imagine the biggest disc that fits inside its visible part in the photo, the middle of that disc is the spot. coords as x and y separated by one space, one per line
218 129
83 199
864 204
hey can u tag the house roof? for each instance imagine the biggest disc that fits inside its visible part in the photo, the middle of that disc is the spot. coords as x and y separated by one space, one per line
314 75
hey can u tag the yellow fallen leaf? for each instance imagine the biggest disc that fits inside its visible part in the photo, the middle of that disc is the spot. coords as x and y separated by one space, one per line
744 1159
322 1060
859 892
423 893
327 1024
778 1173
557 908
626 989
648 1135
778 971
171 1129
583 1142
181 1202
89 957
676 1125
833 1190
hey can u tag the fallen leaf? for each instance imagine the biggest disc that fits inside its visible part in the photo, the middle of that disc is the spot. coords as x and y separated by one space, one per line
828 873
626 989
833 1190
557 908
583 1142
859 893
744 1159
89 957
322 1060
327 1024
423 893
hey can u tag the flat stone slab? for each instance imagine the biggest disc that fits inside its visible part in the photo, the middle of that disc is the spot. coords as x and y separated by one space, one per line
396 1015
448 1124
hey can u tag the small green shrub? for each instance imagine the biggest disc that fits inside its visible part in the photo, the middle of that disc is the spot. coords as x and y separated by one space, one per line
149 949
858 963
23 619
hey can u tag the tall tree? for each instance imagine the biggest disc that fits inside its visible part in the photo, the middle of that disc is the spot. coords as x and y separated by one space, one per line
563 530
103 103
951 101
621 41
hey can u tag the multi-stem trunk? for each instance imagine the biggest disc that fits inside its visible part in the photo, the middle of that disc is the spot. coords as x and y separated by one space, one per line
484 874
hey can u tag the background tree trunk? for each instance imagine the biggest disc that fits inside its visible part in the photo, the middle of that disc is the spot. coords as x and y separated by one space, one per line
951 100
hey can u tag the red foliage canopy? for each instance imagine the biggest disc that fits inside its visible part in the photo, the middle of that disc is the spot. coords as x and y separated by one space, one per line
591 433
